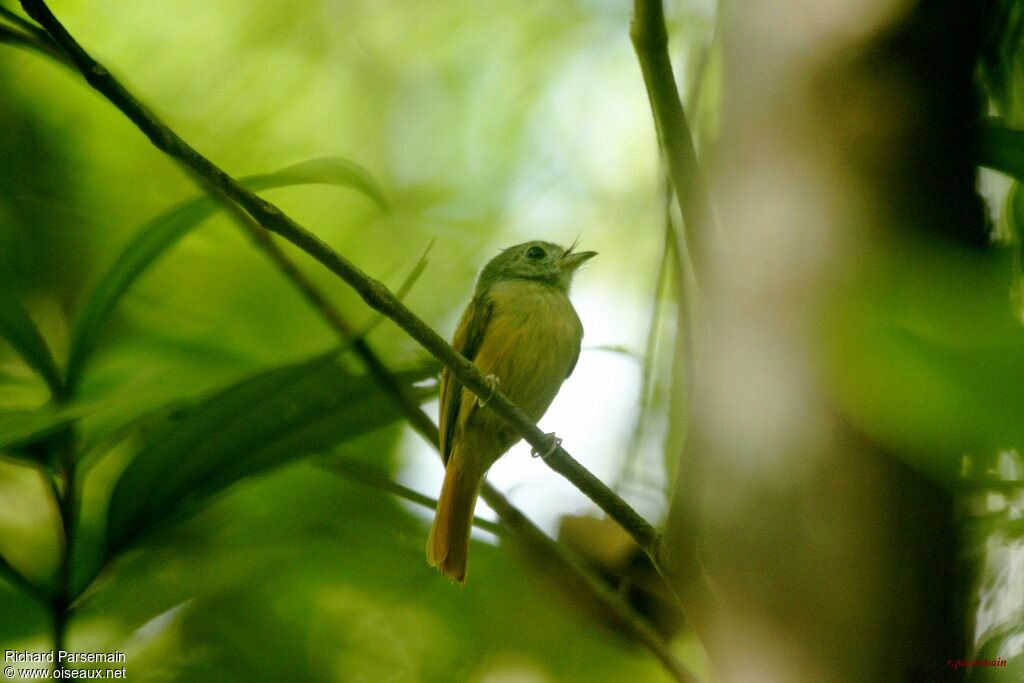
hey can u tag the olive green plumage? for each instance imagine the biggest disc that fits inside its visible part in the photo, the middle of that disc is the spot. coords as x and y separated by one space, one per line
521 330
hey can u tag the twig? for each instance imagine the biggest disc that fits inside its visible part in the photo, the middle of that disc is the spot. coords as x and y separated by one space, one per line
23 23
67 505
647 375
650 40
364 474
226 189
376 367
29 35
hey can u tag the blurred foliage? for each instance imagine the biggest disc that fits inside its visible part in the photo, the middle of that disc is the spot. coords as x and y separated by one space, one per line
260 423
927 355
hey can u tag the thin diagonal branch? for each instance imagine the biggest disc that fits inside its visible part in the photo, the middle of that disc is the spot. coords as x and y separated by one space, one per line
11 36
364 474
26 34
23 24
374 365
226 189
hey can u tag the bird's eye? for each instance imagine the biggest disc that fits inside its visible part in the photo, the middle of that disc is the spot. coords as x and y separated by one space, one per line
535 253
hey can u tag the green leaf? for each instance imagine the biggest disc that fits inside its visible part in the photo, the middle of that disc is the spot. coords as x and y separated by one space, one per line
16 579
322 171
414 274
259 423
22 428
1001 149
167 229
403 289
17 327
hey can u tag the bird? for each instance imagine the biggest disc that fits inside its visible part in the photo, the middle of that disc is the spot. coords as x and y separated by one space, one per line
523 334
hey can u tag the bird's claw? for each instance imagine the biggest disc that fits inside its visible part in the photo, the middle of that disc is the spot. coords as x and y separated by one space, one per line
492 381
555 442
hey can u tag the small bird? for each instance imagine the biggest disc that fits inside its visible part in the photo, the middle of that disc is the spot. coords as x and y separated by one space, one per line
522 333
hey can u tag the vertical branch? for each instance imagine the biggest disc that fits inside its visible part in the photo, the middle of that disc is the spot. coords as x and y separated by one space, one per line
65 495
698 241
650 40
654 327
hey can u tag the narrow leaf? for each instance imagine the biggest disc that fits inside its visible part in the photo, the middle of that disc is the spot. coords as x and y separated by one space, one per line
259 423
403 289
22 428
167 229
415 273
322 171
17 327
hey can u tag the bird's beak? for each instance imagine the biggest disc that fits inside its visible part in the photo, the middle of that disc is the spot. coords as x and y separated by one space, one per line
574 260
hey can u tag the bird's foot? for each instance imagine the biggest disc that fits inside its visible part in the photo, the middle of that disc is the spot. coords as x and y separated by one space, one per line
493 382
552 446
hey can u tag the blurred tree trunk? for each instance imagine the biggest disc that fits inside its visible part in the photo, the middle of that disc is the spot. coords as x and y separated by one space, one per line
847 133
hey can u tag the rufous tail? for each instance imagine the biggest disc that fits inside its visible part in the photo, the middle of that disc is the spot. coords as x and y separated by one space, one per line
448 543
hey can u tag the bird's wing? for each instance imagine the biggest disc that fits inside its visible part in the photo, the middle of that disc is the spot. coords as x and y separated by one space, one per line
468 338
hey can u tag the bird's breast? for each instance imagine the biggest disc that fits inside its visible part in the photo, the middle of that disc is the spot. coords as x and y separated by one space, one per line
531 343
